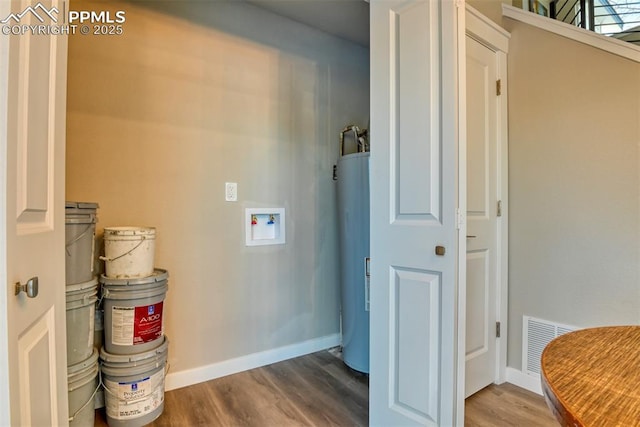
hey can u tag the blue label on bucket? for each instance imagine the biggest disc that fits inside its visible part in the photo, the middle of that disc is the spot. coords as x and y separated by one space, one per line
151 309
134 386
134 382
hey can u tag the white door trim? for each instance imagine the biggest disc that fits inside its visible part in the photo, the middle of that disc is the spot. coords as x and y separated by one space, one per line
461 291
488 33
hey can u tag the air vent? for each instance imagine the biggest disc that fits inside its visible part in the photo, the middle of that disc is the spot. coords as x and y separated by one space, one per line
536 334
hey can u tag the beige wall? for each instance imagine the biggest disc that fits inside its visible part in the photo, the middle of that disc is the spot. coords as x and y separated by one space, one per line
492 9
574 184
193 95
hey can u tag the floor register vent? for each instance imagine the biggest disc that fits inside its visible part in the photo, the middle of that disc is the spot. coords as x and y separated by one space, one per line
536 334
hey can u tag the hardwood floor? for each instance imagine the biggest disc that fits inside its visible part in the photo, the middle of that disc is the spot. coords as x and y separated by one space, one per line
313 390
319 390
507 405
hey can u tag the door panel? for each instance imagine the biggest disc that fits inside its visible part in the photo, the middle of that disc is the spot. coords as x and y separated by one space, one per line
482 239
34 72
415 65
36 362
415 318
414 197
477 332
35 57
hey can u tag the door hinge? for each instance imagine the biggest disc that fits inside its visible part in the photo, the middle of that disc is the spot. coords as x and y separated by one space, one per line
459 219
497 329
498 87
499 208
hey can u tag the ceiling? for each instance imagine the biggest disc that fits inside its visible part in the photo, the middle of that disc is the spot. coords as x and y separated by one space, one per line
348 19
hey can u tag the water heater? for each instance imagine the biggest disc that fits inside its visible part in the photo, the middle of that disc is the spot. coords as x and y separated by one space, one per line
352 174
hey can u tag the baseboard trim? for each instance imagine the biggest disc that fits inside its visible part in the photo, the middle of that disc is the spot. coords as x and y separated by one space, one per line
528 382
189 377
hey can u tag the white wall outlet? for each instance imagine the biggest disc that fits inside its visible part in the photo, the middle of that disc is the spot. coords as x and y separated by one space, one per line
231 191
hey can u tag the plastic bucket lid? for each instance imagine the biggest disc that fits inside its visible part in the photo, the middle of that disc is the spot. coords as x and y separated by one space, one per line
84 302
82 294
80 213
78 295
84 364
124 288
133 294
158 275
83 372
132 364
129 233
82 287
88 219
81 205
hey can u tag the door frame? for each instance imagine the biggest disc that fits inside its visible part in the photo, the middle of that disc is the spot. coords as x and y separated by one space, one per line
496 38
5 412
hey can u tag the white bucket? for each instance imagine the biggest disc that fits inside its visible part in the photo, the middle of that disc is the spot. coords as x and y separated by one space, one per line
134 386
82 386
80 231
81 306
129 251
133 312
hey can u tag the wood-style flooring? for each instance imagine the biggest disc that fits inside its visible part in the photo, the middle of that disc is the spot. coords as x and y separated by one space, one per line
319 390
507 405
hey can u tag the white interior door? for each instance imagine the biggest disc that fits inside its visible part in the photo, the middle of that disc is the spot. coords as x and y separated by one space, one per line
33 383
482 228
414 197
487 46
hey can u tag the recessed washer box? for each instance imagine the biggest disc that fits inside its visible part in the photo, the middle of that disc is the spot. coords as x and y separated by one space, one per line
264 226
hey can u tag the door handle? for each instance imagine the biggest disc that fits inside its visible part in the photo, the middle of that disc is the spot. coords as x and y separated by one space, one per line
30 288
471 237
440 250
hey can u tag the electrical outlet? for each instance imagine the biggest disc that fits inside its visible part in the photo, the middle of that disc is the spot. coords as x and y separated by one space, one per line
231 191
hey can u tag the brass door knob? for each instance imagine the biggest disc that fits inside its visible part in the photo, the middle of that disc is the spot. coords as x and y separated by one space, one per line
440 250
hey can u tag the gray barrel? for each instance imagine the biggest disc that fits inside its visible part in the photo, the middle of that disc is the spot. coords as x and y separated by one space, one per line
82 386
353 223
80 231
133 312
81 306
134 386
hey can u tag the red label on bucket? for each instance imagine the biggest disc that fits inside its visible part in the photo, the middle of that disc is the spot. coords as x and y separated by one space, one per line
148 323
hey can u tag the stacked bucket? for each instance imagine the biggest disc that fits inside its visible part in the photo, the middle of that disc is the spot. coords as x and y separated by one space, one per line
134 354
81 298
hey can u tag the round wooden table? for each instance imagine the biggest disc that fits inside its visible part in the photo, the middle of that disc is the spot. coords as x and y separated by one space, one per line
591 377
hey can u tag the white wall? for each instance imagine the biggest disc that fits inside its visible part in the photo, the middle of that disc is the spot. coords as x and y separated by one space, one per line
195 94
